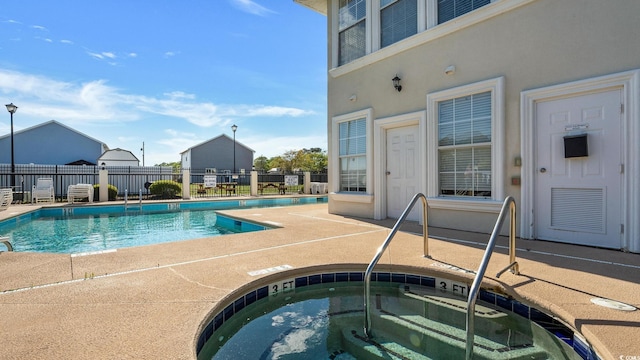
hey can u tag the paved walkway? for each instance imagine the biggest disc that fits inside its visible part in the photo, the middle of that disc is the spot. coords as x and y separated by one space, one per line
150 302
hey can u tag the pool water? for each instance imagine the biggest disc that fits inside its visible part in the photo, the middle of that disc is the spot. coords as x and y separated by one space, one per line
96 228
408 322
111 231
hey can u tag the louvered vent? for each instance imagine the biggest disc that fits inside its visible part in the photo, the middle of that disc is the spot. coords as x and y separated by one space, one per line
578 210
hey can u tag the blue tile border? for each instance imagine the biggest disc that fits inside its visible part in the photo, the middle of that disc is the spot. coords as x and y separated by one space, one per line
580 346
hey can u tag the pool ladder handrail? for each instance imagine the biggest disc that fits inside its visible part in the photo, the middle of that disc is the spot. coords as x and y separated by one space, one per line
383 247
513 265
126 199
5 240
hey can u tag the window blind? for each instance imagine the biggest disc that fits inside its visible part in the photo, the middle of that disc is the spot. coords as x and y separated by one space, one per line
399 20
464 140
352 150
450 9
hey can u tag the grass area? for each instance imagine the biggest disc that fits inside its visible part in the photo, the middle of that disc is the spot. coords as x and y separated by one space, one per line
198 189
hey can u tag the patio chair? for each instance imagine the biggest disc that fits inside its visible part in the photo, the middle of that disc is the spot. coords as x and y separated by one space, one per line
80 191
6 197
43 191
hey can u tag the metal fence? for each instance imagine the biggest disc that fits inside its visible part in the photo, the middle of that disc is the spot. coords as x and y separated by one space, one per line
207 185
124 178
134 181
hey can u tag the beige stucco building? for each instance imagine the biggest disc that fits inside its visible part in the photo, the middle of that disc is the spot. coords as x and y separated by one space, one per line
534 99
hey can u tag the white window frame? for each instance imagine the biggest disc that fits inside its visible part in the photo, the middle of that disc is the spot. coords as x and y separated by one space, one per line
427 30
335 193
496 87
336 33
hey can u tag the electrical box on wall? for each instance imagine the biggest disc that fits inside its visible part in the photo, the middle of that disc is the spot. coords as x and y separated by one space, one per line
575 146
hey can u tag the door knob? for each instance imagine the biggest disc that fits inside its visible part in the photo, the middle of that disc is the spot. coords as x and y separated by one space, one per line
388 172
543 170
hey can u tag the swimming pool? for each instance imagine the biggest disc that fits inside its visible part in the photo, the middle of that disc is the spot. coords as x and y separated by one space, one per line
321 317
97 228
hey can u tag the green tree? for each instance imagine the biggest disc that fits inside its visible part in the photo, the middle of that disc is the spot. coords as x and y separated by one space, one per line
312 160
175 165
315 162
279 162
261 164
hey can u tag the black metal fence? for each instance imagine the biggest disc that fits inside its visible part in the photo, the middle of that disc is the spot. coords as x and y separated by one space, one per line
129 179
206 185
133 181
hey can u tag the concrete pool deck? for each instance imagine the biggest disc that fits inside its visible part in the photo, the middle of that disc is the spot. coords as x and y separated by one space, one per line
150 302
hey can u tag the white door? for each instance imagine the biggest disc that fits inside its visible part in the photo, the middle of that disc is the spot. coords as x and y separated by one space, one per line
578 200
402 171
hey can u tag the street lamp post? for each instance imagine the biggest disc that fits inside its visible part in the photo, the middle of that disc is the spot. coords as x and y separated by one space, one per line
142 149
234 128
12 109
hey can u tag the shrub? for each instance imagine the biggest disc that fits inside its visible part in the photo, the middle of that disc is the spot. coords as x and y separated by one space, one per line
165 188
111 190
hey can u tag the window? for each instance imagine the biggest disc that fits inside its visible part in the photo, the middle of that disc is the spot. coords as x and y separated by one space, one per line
353 155
362 27
352 36
351 160
465 142
450 9
464 145
398 20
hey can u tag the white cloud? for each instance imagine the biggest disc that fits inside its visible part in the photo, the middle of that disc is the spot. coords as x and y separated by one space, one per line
271 146
96 101
102 55
175 95
251 7
64 41
96 55
177 142
38 27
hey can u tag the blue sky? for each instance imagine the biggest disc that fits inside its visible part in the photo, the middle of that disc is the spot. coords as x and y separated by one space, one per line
168 73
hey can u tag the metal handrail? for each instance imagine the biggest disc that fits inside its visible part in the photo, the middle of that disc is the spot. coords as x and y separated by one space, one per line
383 247
475 287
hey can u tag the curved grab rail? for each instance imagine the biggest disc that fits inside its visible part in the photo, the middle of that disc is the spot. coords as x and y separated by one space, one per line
475 287
5 240
383 247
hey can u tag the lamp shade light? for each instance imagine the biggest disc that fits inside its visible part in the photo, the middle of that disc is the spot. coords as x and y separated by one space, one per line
11 108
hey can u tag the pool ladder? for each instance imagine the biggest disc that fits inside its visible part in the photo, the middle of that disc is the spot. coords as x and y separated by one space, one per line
509 205
5 240
126 201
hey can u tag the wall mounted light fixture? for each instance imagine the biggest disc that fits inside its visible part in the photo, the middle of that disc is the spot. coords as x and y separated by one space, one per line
396 83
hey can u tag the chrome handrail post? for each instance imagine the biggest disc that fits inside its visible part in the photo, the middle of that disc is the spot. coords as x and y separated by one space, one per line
425 227
382 248
475 286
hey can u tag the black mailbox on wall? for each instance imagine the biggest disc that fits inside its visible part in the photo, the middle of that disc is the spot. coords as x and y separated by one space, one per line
575 146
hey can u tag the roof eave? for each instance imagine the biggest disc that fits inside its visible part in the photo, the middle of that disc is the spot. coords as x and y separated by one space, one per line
319 6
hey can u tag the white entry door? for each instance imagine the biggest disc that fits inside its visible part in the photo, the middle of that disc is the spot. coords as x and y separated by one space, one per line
402 171
578 200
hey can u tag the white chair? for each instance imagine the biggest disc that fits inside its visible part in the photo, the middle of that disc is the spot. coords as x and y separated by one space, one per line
6 197
43 191
80 191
